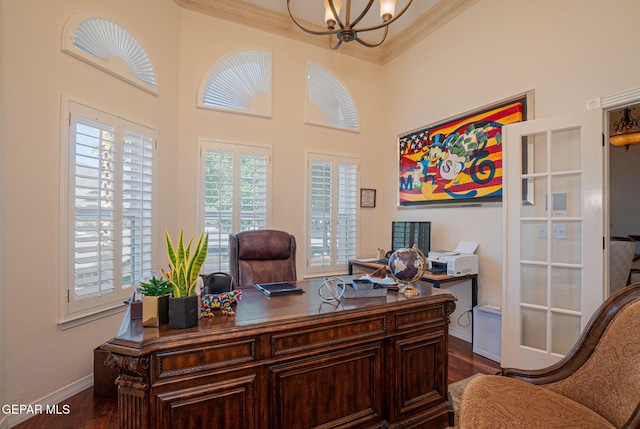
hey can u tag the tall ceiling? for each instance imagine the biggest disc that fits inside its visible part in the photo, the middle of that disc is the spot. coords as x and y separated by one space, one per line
421 19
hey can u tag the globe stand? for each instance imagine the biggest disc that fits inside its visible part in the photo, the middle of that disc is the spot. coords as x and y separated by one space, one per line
409 291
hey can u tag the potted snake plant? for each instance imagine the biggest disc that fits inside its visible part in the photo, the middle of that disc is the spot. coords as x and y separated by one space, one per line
184 269
155 301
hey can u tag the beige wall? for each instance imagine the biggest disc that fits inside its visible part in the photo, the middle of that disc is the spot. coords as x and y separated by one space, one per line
564 50
568 51
204 40
3 319
182 45
39 357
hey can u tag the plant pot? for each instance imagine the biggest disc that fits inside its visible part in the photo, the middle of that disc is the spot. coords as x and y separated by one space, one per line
155 310
183 312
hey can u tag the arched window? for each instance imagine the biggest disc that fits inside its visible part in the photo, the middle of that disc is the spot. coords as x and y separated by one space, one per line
107 45
328 94
239 83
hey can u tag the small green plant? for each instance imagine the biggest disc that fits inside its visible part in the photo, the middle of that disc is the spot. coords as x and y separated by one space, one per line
184 265
155 287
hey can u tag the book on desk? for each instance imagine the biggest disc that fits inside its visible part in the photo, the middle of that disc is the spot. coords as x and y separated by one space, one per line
278 288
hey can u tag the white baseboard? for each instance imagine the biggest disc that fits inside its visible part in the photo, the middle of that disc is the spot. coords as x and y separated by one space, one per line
52 399
458 333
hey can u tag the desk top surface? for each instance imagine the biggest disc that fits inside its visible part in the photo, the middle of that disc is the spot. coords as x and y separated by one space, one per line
257 310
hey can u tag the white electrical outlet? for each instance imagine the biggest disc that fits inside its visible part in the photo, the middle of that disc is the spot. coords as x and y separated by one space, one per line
542 231
560 231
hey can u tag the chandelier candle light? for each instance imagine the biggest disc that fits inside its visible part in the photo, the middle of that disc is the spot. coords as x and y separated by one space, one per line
347 31
626 131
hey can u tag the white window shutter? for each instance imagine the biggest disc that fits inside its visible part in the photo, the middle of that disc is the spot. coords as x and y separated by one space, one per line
332 223
111 209
236 195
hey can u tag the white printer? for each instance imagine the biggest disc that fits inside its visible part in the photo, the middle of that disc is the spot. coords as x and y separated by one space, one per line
460 262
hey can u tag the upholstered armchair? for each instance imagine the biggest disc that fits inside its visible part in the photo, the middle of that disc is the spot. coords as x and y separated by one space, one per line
621 253
596 385
262 256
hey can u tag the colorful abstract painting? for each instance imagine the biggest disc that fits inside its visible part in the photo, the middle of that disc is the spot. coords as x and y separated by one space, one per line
457 161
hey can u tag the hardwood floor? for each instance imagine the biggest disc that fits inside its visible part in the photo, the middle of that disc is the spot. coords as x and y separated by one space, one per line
88 412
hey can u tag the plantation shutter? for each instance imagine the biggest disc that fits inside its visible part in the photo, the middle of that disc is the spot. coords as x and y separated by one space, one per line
320 233
111 181
137 205
346 212
235 187
332 206
94 208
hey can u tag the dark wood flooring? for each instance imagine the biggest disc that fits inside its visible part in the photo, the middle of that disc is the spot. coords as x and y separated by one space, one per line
88 412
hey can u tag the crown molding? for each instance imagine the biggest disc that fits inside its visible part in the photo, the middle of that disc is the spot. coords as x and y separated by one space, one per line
264 19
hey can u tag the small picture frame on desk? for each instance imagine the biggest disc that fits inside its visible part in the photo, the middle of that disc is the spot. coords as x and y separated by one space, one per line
367 197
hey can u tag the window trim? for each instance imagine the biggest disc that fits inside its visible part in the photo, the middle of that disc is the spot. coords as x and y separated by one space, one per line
335 159
66 318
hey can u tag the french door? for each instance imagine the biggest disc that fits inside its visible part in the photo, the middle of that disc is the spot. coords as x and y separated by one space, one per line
553 238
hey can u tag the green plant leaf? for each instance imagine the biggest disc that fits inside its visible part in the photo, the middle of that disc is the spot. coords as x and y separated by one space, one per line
170 249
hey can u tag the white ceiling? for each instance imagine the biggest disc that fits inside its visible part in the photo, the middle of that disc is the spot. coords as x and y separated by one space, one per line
421 19
313 11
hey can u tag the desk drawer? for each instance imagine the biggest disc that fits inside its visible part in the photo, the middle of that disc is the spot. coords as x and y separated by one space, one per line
328 335
190 361
420 317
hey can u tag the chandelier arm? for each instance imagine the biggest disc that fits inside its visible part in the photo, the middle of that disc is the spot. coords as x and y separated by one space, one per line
384 24
359 18
337 45
314 32
373 45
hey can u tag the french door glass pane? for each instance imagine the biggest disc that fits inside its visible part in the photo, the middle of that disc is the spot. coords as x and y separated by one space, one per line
565 150
566 245
534 328
534 241
567 195
566 328
565 288
534 154
533 284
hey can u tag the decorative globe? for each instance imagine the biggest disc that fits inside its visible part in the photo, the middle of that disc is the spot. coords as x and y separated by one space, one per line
407 266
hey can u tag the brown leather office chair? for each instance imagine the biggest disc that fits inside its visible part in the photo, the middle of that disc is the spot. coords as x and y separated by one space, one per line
262 256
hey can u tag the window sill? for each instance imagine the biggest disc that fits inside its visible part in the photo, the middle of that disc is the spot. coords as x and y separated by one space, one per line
72 322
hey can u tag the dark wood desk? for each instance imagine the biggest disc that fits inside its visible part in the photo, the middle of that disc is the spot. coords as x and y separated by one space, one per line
435 279
291 362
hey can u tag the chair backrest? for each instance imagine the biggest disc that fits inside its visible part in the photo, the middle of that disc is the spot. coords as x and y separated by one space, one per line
608 382
262 256
621 252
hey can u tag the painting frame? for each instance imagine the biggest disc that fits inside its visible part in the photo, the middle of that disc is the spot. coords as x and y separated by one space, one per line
367 197
458 161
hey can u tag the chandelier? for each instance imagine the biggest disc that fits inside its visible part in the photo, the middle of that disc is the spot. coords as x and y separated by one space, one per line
626 131
346 30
